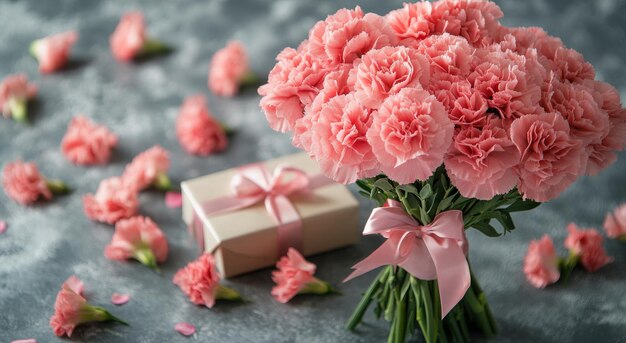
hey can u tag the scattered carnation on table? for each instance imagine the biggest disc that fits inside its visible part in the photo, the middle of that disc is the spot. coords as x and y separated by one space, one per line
149 168
198 132
115 199
138 238
130 39
229 70
87 143
23 183
53 52
15 92
615 223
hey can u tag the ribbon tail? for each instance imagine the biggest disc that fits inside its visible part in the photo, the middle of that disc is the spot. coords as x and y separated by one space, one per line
380 257
453 274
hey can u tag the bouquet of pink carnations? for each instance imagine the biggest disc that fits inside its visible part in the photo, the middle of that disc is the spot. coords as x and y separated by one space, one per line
449 120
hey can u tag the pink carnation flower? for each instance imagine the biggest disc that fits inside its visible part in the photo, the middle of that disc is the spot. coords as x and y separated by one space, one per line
129 37
148 168
15 91
384 72
541 264
587 244
53 51
292 85
23 183
338 140
200 281
346 35
409 135
295 276
229 66
75 284
114 200
87 143
198 132
71 310
481 163
615 223
412 22
476 21
447 54
551 159
139 238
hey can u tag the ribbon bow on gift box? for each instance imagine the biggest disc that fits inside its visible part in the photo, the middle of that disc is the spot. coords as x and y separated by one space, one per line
253 184
428 252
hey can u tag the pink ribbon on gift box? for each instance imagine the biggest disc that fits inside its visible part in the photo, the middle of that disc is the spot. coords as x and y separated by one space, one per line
253 184
428 252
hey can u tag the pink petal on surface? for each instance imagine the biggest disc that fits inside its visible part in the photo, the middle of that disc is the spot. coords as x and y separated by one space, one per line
119 299
28 340
173 199
3 226
185 329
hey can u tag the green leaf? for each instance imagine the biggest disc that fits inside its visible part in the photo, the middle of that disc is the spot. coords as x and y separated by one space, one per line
426 192
384 185
486 229
445 203
505 219
522 205
408 189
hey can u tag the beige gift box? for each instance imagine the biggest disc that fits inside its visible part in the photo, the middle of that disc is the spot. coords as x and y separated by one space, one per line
245 240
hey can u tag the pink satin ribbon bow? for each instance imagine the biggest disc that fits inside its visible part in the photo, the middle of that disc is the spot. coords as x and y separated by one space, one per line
253 184
428 252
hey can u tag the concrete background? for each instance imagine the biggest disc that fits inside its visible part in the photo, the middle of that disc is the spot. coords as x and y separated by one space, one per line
48 242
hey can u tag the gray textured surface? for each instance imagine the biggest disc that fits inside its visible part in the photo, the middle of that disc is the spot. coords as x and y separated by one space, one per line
47 243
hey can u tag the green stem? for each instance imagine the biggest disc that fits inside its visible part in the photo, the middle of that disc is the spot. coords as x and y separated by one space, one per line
147 258
103 315
227 293
317 286
567 265
163 182
19 110
366 300
154 47
57 186
430 334
400 334
249 79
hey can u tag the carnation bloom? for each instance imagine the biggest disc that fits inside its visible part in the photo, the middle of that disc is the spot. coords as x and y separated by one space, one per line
23 183
139 238
587 245
447 54
75 284
130 40
292 85
114 200
615 223
87 143
15 91
346 35
229 68
52 52
387 71
198 132
339 143
412 22
200 281
476 21
551 159
149 168
295 276
71 309
481 162
410 134
541 264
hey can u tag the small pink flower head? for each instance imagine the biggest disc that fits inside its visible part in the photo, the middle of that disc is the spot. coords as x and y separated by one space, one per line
346 35
476 21
129 37
412 22
87 143
587 244
75 284
481 162
228 67
23 183
198 132
541 264
148 168
551 159
339 143
384 72
410 134
292 276
53 51
615 223
199 280
15 91
447 54
292 85
139 238
114 200
70 310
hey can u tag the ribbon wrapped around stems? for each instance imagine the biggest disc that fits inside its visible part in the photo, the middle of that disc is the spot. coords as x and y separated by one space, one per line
253 184
428 252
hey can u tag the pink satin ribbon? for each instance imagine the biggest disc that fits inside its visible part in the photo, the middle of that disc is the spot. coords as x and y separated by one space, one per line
253 184
428 252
